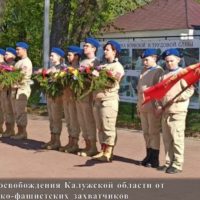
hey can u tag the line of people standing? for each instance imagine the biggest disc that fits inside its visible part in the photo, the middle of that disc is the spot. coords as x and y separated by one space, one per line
97 112
94 114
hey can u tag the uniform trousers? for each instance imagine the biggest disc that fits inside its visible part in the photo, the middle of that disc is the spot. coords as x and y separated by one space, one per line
7 106
151 126
173 127
105 113
55 111
86 118
70 112
19 106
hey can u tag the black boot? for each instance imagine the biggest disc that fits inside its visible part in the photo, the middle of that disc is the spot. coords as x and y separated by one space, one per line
147 158
154 159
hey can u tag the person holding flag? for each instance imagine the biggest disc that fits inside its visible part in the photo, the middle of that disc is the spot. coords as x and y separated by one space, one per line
151 124
174 111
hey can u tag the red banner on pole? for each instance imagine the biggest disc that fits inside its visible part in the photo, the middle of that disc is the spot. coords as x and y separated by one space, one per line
159 90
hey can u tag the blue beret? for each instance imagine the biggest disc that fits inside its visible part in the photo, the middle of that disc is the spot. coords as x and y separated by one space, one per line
23 45
170 52
75 49
11 50
2 52
58 51
115 44
150 52
93 42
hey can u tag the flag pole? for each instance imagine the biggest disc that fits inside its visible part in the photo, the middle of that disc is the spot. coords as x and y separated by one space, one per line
46 34
172 100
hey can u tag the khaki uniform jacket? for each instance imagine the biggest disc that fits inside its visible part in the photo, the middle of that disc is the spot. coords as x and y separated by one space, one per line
105 109
181 102
112 93
148 78
26 65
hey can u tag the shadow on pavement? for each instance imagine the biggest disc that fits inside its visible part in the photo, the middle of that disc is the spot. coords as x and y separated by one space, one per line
93 162
126 160
90 163
24 144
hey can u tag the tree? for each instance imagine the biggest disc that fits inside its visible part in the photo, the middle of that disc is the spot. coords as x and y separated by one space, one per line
60 22
23 21
2 6
86 17
70 21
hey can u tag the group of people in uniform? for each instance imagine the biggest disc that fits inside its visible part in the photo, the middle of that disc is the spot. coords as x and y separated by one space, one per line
169 114
97 112
94 114
13 101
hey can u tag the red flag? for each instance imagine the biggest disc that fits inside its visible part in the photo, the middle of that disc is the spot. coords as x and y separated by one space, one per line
159 90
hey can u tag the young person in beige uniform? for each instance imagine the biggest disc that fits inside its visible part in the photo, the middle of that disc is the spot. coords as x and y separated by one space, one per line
84 106
106 104
55 105
151 123
21 93
174 115
69 103
2 54
10 56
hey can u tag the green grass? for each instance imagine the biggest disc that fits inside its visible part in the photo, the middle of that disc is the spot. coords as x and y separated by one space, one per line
127 117
193 120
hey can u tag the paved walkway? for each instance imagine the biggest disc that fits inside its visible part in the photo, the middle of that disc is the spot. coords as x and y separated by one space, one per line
25 159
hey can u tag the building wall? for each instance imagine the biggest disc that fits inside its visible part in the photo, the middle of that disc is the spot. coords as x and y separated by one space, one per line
151 34
134 43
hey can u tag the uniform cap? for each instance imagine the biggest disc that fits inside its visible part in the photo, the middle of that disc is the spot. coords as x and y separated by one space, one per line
75 49
170 52
11 50
23 45
150 52
115 44
92 41
58 51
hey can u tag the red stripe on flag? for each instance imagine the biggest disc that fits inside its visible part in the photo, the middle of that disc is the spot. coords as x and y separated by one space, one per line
159 90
